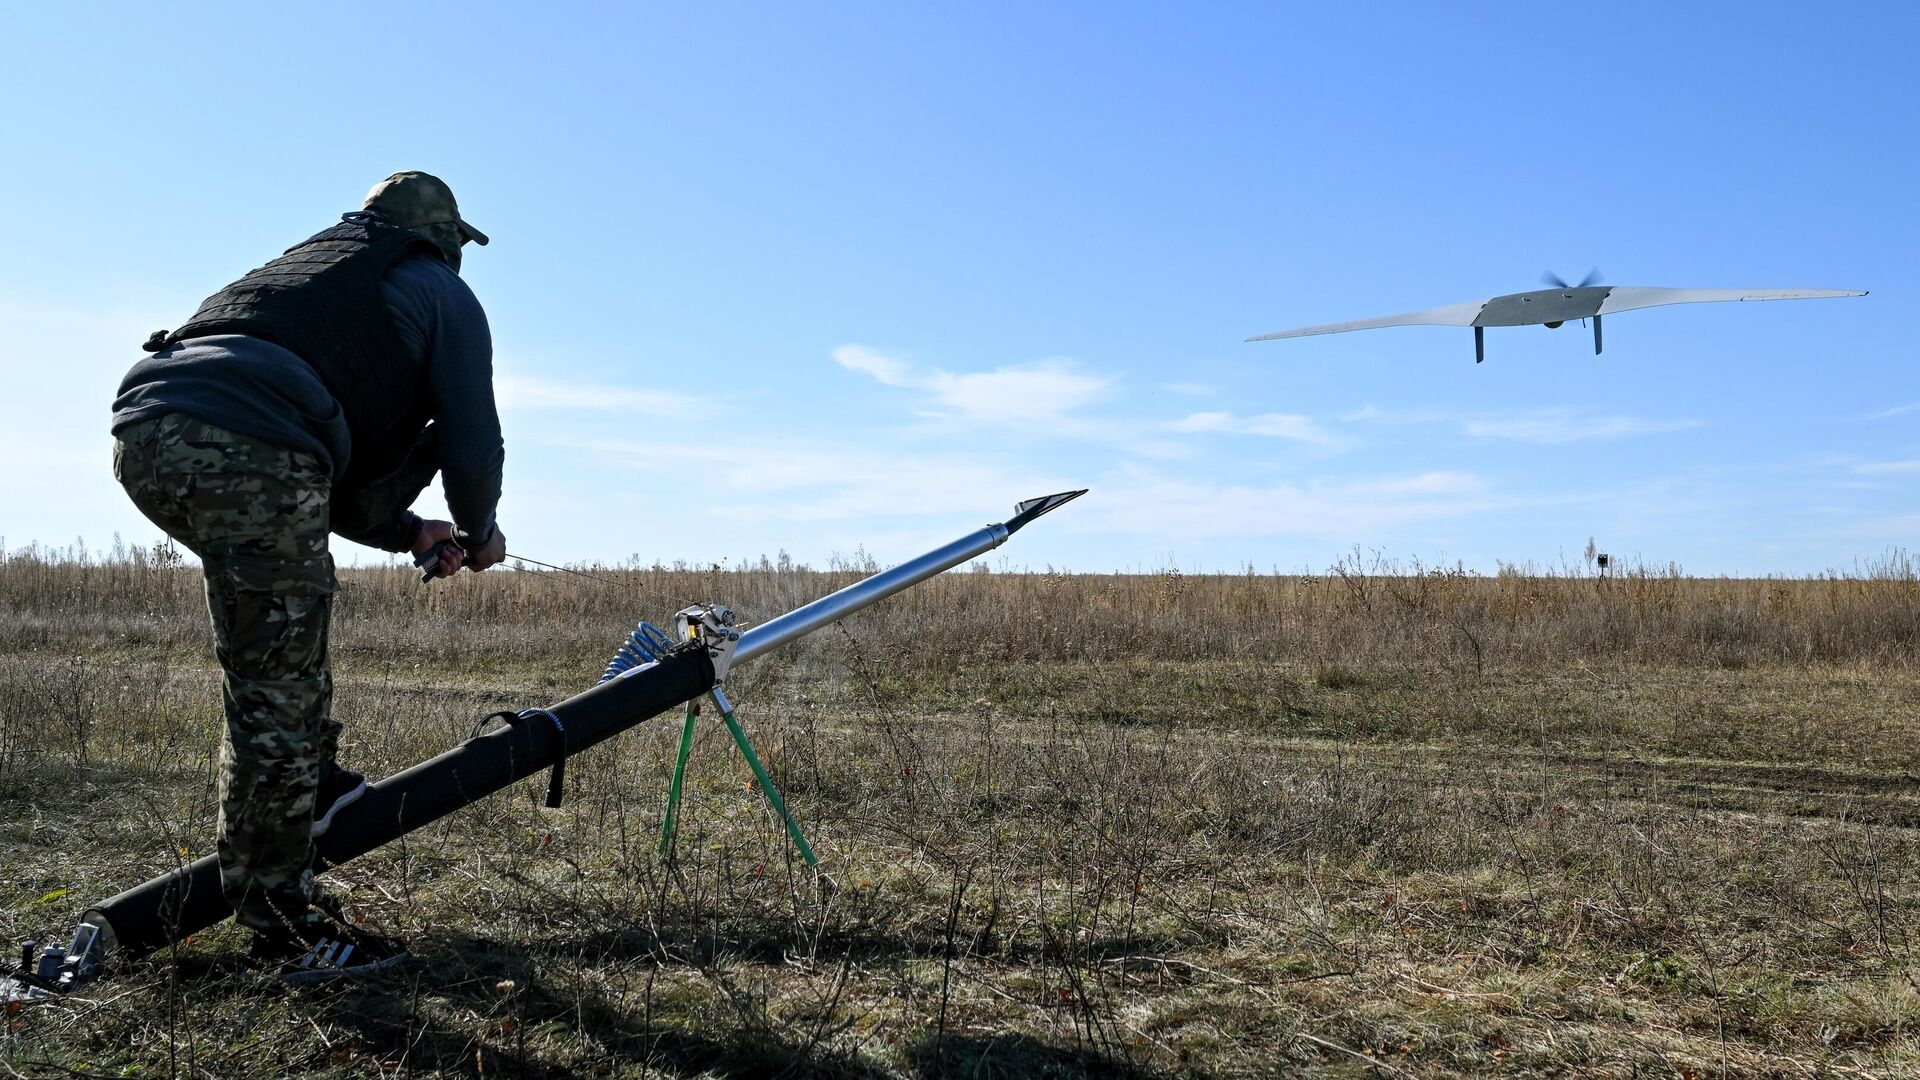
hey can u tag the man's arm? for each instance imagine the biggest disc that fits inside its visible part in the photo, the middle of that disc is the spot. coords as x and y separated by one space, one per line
374 512
434 308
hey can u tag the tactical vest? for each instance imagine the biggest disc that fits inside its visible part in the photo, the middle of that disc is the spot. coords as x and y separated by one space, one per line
321 301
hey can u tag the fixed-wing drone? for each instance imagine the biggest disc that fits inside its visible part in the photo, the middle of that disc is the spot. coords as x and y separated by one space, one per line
1555 306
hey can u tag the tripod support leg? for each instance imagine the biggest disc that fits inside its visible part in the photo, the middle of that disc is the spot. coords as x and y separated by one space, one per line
766 782
672 823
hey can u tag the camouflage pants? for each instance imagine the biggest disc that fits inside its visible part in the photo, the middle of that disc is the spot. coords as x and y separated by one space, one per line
256 515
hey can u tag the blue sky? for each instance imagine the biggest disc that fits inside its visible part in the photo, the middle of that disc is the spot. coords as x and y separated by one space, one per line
818 277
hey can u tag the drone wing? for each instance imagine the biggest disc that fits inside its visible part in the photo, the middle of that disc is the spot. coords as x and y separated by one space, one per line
1629 297
1452 315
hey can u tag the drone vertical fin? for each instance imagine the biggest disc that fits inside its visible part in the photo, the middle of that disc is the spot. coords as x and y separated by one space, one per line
1596 335
1479 344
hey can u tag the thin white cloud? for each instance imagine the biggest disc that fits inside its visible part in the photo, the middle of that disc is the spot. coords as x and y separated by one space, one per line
528 392
1028 391
1544 426
1043 390
779 479
1887 468
1374 414
1162 449
1143 503
1275 425
1432 483
1897 410
859 358
1191 389
1552 426
1055 397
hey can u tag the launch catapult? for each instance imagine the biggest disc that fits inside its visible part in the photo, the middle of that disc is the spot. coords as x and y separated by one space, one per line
651 673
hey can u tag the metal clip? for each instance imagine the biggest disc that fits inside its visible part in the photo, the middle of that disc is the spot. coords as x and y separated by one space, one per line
712 626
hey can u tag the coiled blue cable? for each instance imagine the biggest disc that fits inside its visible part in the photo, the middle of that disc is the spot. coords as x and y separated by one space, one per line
645 645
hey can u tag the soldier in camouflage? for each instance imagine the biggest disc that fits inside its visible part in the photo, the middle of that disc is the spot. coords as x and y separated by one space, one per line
257 515
318 394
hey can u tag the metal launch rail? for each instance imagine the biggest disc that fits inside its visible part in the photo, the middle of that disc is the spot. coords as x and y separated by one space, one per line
669 673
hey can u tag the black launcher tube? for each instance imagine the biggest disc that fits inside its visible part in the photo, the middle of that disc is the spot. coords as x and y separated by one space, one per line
188 900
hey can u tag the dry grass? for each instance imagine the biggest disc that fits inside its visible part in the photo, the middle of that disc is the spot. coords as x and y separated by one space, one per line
1385 821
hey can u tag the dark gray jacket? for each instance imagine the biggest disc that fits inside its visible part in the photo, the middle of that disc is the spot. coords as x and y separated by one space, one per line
259 389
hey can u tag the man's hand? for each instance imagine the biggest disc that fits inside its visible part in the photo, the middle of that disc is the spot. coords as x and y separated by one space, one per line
489 553
439 532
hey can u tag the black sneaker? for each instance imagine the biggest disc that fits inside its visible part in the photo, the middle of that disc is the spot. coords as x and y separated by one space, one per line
325 950
338 788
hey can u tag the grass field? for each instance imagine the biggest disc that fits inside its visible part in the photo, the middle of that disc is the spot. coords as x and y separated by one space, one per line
1388 821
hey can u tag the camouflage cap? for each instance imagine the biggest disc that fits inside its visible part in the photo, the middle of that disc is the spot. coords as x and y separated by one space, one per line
415 199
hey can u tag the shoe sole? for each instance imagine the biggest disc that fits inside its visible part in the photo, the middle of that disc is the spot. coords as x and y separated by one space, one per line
324 822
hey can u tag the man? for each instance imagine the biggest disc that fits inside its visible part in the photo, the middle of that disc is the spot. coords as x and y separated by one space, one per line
318 393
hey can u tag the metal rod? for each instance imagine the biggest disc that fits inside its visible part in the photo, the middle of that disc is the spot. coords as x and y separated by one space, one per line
766 782
836 606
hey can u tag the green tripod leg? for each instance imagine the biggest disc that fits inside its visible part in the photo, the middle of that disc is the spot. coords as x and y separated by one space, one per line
766 782
672 823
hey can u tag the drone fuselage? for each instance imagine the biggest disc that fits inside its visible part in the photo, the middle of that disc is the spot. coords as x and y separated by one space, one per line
1543 306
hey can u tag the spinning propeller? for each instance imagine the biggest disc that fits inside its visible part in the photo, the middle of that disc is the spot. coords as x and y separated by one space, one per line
1553 279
